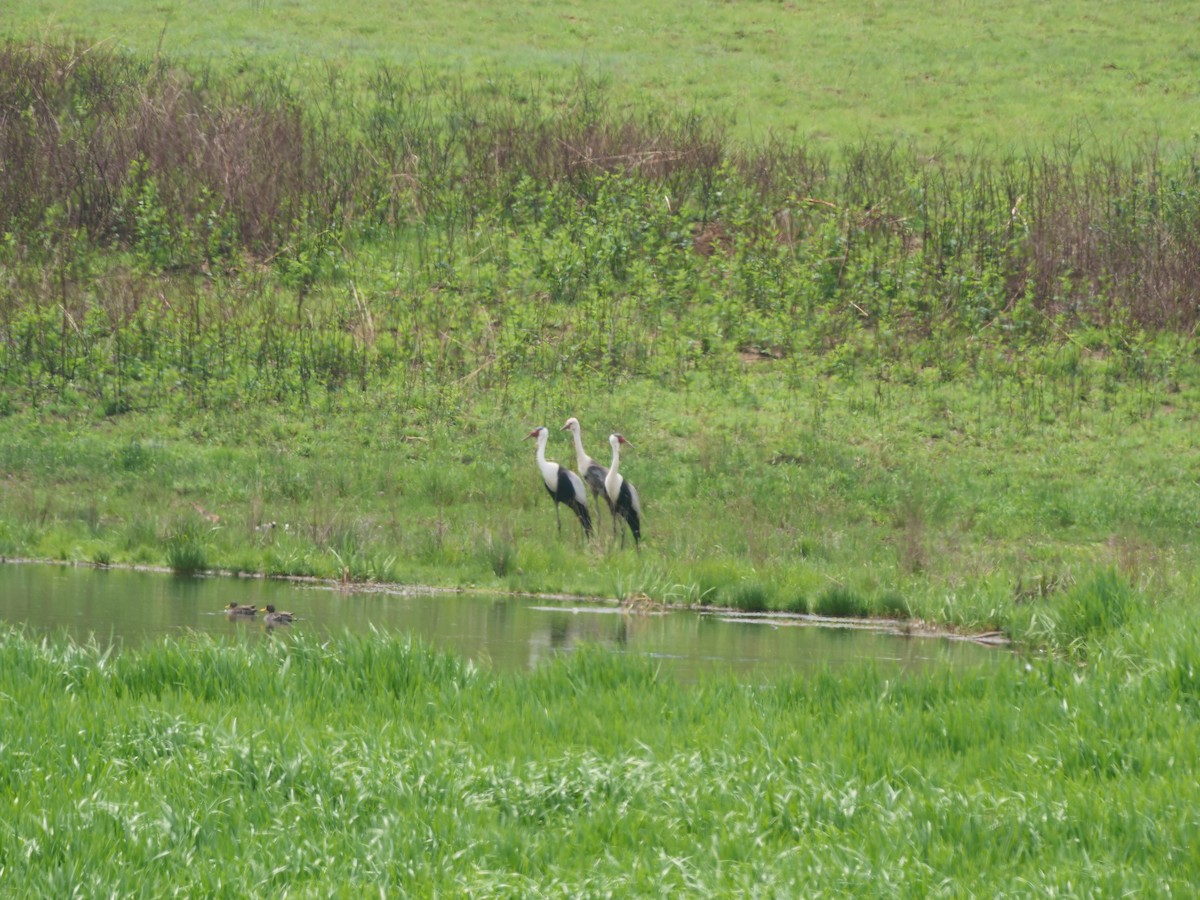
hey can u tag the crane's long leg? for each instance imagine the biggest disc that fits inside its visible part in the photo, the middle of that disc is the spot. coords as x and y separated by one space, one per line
557 516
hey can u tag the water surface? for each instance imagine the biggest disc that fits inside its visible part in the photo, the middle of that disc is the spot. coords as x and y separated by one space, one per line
503 632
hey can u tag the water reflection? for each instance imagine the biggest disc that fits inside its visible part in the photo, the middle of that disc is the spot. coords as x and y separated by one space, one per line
507 633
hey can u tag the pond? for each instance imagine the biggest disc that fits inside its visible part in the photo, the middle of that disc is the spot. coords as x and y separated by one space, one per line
504 632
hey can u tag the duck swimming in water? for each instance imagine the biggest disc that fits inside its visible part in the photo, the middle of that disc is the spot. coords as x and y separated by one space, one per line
233 609
278 617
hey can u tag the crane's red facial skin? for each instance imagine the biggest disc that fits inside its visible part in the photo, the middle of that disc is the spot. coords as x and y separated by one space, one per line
621 440
534 433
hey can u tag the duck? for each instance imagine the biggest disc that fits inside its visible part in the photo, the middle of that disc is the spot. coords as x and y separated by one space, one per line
233 609
278 617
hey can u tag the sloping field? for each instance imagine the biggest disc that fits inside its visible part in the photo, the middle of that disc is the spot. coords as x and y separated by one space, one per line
968 74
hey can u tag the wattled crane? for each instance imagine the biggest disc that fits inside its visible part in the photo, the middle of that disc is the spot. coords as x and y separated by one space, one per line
592 472
622 495
561 483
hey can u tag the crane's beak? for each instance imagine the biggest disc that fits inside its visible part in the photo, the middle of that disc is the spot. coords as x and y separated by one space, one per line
533 433
621 438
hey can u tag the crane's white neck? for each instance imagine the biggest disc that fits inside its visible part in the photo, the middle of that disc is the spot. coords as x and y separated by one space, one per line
612 481
549 470
581 458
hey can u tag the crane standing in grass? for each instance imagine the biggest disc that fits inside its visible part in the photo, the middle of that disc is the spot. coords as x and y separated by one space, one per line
561 483
622 495
592 472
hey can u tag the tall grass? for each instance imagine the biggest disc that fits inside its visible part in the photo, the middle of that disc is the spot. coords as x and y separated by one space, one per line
375 763
243 329
185 544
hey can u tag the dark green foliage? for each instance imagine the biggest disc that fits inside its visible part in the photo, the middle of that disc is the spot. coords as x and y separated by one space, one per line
1093 608
840 602
185 544
893 605
748 595
797 604
873 368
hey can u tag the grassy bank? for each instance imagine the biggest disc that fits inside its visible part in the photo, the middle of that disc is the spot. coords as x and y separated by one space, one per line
988 501
365 764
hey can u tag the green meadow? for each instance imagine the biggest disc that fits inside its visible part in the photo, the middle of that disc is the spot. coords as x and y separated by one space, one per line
897 308
952 76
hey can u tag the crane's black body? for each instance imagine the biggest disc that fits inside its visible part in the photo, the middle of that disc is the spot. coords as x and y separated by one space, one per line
629 509
594 478
565 491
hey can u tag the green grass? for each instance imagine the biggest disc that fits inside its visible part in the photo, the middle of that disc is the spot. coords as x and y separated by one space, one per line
944 75
287 297
364 764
